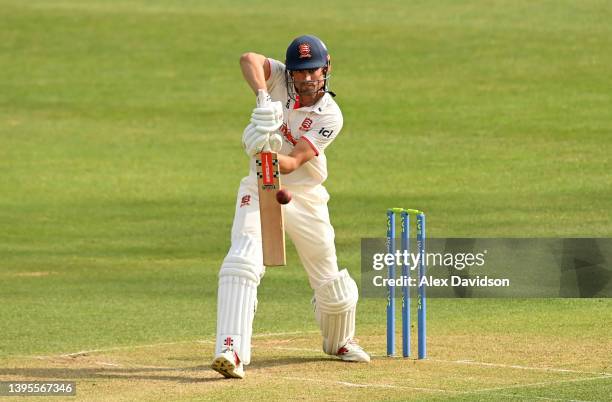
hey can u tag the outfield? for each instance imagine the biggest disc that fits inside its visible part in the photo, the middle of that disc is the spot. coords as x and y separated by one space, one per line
120 156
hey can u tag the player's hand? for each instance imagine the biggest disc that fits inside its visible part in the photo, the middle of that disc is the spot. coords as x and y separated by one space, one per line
268 118
276 142
254 141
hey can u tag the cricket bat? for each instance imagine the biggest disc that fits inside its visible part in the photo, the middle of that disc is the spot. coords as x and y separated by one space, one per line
270 211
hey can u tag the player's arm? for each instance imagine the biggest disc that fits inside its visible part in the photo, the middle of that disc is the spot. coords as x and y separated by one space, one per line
302 153
256 70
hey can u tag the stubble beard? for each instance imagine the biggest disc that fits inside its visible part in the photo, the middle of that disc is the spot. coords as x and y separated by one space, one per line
309 95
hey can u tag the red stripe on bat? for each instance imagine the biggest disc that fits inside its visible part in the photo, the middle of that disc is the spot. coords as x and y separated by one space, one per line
267 168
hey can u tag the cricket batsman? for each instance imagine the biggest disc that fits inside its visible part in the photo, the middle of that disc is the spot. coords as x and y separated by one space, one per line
296 116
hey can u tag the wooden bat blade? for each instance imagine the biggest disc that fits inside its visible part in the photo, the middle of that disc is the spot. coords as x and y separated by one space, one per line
270 211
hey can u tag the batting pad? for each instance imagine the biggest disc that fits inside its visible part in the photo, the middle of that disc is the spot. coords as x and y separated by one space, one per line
335 303
236 305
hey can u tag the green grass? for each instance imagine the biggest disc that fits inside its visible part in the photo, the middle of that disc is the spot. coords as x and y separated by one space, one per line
120 125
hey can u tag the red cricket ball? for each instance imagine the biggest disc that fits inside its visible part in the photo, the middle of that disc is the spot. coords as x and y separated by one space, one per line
283 196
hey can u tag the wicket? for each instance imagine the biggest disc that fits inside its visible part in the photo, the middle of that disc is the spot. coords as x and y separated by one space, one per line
421 299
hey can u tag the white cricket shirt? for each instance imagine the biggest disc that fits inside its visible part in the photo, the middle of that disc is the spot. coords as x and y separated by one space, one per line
318 124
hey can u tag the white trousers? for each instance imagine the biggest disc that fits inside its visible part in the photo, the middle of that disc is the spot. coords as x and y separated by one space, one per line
307 225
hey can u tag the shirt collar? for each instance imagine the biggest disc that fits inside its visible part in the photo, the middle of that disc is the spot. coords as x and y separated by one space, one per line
318 107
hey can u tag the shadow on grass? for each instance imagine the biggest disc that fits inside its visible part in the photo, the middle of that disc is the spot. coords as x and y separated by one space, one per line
286 361
130 374
145 373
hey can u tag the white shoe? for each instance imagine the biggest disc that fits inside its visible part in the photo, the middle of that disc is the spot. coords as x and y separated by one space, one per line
228 363
352 352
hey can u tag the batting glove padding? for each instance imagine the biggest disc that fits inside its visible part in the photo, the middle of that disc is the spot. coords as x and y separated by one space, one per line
276 142
254 141
268 118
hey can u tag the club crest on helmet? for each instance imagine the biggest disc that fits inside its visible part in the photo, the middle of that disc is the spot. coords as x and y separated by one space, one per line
304 50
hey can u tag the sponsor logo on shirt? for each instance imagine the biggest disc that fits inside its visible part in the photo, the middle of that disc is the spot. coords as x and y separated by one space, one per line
323 132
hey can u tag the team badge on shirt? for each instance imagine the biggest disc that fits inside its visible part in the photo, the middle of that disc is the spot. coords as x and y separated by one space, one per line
304 50
306 124
246 200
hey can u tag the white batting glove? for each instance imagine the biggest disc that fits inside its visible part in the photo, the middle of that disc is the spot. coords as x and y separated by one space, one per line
263 98
276 142
268 115
268 118
254 141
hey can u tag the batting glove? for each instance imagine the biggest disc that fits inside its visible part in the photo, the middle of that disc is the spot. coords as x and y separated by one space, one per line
254 141
263 98
276 142
268 118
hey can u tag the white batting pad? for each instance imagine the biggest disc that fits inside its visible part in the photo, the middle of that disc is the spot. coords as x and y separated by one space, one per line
335 303
236 303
